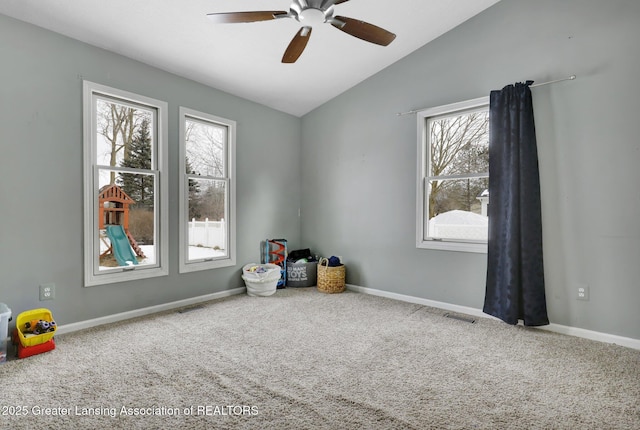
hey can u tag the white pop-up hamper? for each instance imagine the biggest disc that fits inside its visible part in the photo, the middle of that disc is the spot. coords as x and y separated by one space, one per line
262 280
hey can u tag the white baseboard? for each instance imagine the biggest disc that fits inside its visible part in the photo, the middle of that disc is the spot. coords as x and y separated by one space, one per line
420 301
593 335
81 325
556 328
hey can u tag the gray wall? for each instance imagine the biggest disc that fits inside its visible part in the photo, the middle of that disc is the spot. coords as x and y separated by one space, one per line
359 180
41 174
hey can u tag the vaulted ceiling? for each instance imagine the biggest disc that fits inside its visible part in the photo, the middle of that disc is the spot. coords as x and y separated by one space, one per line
244 59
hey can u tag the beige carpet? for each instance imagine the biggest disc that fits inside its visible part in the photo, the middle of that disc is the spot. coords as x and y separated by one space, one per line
305 360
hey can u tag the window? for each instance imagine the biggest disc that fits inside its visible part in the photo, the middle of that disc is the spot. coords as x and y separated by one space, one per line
453 176
207 191
125 186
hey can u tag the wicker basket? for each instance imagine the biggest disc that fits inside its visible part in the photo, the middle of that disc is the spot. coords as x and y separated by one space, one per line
330 279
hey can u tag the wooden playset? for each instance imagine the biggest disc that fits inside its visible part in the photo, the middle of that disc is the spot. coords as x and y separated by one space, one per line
113 210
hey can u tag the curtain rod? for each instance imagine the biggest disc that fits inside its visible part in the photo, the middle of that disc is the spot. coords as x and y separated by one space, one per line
570 78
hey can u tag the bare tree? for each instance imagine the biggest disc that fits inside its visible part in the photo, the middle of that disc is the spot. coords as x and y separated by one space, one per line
117 123
457 147
205 148
205 153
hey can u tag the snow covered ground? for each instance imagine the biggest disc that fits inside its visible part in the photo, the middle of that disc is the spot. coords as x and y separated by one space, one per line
195 253
199 252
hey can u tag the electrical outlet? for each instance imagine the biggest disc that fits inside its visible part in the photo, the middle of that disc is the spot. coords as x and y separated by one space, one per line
583 292
47 292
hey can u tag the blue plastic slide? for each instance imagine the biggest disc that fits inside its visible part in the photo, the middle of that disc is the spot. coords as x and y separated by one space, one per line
120 245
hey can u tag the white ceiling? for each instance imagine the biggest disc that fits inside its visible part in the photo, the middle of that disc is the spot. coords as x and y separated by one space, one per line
244 59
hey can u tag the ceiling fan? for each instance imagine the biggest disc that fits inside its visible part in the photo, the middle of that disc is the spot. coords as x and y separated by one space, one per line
310 13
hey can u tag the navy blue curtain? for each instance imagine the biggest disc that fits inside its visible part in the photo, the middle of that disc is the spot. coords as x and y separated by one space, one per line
515 270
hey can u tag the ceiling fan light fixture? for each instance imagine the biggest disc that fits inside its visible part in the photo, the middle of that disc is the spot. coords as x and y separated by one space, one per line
312 17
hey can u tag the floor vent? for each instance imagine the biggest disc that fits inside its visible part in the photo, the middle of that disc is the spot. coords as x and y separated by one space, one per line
457 317
192 308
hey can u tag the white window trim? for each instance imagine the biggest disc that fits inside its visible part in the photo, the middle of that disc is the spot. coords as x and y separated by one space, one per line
422 173
91 242
185 265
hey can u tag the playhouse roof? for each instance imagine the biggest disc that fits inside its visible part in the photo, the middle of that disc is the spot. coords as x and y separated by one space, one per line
113 193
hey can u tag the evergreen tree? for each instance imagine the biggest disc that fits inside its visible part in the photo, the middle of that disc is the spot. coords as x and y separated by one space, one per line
473 158
195 203
213 202
139 186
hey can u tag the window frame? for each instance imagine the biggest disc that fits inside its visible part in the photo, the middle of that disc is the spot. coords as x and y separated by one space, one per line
423 176
91 93
186 265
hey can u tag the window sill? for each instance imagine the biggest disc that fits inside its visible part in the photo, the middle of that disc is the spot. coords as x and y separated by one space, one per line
196 266
478 248
123 276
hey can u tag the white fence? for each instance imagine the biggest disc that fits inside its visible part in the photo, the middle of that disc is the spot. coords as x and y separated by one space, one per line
207 233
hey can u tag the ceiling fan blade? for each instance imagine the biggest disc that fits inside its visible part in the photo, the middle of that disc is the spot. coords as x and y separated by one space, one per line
340 1
364 30
236 17
297 45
